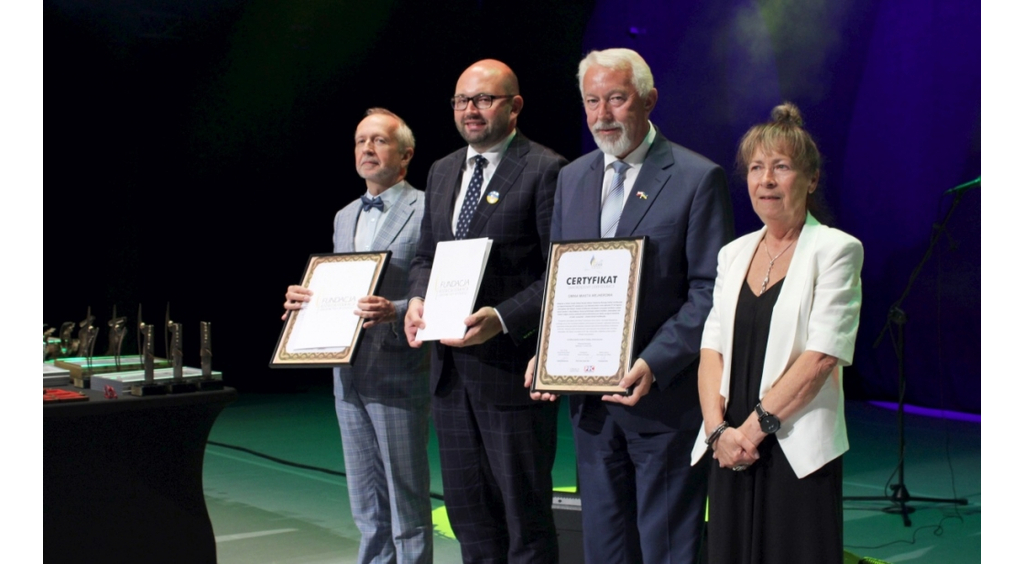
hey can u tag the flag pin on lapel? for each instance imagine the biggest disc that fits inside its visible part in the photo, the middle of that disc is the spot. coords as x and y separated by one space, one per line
493 197
642 195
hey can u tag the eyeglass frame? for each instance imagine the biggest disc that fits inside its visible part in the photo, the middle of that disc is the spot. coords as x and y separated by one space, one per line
476 101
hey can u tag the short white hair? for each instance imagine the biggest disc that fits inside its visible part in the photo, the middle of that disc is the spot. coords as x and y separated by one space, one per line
620 59
403 134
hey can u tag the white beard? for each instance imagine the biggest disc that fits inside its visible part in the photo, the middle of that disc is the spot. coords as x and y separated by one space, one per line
617 147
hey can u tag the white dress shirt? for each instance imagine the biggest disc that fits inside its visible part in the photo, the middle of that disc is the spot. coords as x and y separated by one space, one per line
493 156
369 222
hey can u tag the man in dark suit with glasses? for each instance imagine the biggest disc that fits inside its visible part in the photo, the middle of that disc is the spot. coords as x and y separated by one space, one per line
497 445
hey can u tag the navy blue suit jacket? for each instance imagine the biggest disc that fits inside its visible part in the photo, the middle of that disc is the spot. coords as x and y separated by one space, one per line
687 217
519 224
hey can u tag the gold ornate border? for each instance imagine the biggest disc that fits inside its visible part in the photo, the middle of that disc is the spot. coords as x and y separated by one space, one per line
281 355
562 383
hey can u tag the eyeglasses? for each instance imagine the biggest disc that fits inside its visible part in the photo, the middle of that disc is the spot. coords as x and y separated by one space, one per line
481 101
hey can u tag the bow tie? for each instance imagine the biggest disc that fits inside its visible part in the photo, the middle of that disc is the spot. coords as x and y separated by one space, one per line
368 204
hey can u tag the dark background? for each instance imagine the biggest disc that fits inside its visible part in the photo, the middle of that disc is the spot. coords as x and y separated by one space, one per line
196 151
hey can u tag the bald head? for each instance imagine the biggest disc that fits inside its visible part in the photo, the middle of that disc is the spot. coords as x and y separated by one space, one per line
483 128
496 70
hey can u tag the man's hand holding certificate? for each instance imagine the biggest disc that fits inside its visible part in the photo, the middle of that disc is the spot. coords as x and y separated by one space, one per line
328 320
587 324
325 315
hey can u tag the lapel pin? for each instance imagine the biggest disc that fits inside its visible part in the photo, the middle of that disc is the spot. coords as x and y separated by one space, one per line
493 197
642 195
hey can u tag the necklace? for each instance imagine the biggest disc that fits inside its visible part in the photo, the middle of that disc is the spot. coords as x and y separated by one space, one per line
771 262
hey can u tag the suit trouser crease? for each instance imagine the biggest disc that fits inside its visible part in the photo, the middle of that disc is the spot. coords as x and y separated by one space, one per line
642 501
496 466
388 475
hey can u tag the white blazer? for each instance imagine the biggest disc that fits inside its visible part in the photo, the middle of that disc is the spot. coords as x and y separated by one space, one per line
818 309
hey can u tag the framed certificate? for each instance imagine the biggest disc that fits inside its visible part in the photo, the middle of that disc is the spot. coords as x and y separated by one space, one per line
589 315
326 331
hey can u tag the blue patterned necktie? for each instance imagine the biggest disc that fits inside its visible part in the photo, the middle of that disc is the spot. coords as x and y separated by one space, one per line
369 204
472 199
612 208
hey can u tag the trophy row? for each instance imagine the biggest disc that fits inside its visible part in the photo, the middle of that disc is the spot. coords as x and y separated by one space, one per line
69 359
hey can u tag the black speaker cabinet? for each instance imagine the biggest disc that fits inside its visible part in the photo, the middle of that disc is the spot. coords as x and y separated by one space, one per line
569 523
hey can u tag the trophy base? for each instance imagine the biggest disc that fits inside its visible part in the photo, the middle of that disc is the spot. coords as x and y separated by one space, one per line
54 377
144 390
80 366
122 382
181 387
210 385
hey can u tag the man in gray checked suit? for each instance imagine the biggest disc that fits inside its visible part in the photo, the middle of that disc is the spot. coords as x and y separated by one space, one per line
382 399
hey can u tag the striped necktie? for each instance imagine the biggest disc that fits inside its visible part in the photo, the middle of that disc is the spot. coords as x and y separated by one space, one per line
612 208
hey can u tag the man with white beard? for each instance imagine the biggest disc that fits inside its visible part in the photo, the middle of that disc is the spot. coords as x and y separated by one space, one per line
642 501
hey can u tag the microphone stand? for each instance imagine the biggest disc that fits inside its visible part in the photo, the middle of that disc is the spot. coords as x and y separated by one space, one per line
900 496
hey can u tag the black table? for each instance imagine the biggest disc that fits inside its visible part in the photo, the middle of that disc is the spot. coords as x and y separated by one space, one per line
123 478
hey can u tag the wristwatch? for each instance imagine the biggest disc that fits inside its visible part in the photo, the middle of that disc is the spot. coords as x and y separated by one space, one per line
769 423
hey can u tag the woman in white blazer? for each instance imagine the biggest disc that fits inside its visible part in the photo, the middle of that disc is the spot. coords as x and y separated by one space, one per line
784 321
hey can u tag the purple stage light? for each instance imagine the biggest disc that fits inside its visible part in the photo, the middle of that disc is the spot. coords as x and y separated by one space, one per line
929 412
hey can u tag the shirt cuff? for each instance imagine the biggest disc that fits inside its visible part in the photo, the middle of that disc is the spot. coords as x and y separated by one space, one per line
504 329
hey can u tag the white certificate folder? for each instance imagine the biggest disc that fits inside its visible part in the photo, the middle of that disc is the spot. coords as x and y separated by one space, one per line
454 285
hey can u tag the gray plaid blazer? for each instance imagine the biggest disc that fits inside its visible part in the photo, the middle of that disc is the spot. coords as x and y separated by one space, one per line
385 363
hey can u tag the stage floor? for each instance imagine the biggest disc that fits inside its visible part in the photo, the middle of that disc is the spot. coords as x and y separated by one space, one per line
266 511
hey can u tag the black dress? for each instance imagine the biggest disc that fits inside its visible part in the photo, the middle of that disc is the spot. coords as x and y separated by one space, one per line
765 515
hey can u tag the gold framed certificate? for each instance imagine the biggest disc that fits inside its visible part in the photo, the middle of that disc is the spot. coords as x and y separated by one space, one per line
588 316
326 331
